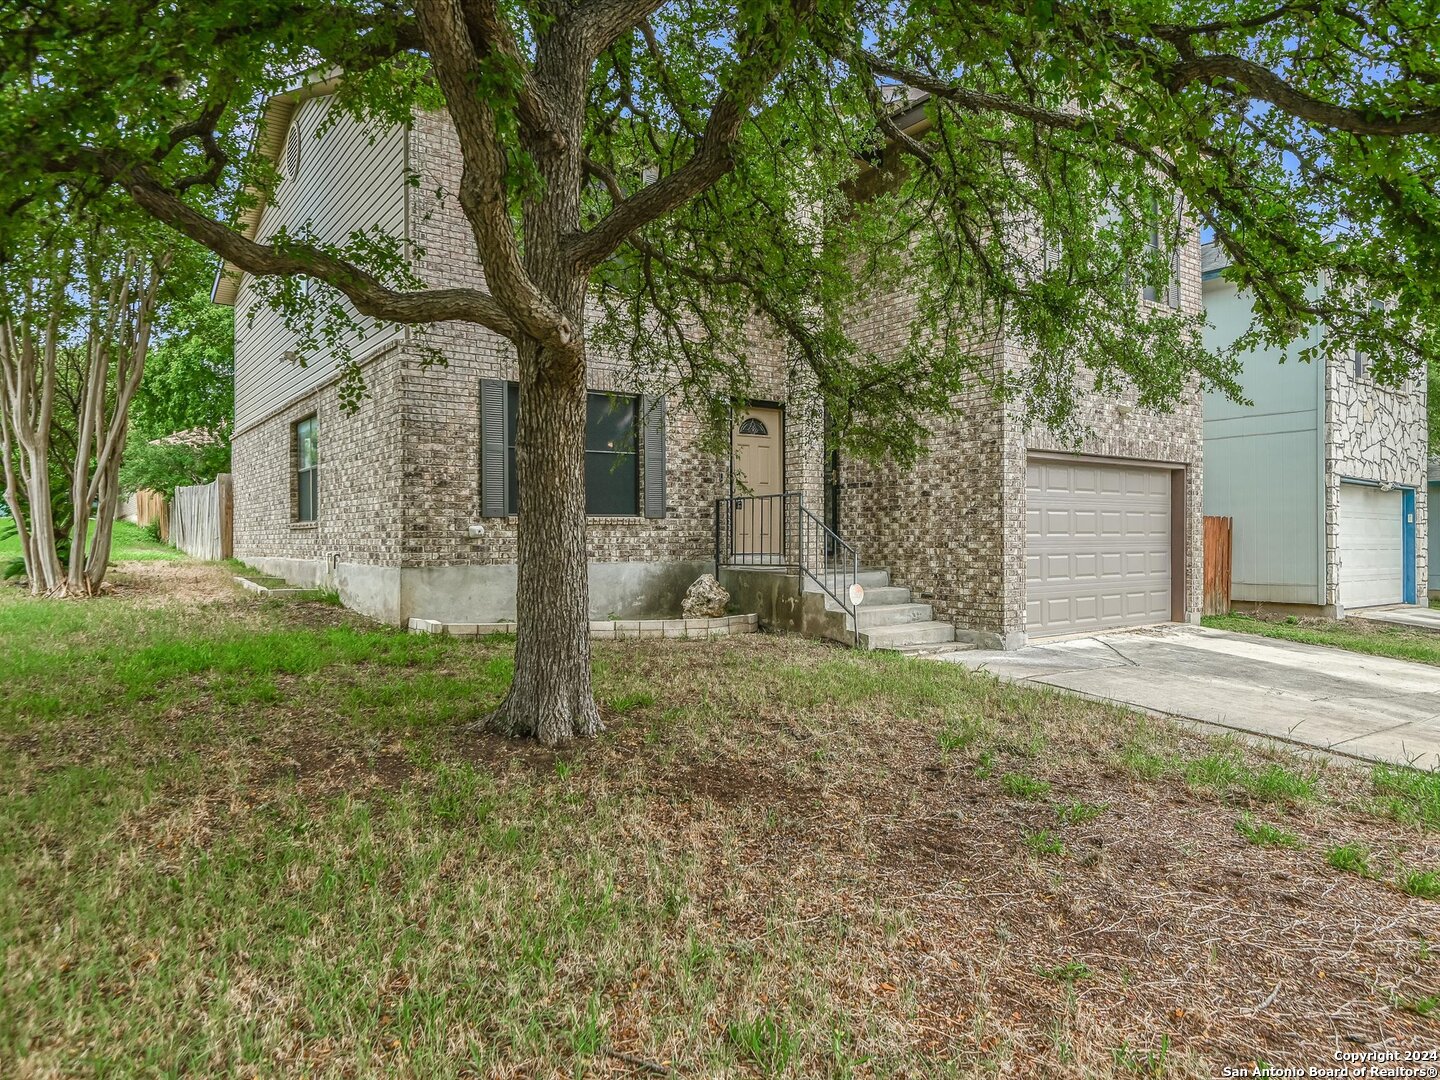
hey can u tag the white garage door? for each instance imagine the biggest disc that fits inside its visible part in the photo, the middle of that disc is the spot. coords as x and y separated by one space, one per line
1097 547
1371 541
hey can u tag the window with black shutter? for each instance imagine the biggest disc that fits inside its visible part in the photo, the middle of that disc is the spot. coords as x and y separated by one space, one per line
613 452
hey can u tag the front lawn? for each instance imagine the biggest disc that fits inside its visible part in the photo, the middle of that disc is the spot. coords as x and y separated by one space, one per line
245 836
1357 635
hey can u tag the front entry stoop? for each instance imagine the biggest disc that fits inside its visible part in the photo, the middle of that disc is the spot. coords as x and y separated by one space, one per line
890 618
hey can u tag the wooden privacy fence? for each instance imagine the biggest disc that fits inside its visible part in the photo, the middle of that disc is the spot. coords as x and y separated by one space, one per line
150 506
201 518
1217 565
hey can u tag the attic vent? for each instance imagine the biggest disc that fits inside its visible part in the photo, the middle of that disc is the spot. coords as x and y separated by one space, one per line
649 174
292 154
752 425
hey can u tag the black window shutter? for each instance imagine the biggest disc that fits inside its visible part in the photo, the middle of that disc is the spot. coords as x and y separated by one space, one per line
653 408
492 447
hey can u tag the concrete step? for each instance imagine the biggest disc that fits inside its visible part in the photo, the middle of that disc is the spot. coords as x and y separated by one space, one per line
934 648
893 614
880 596
871 579
915 633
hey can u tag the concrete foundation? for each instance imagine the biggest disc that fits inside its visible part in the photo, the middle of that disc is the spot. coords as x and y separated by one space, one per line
485 594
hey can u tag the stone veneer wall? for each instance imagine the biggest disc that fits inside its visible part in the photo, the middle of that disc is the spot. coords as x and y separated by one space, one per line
1379 434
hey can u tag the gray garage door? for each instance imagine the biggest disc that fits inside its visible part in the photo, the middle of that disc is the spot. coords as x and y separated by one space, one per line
1097 547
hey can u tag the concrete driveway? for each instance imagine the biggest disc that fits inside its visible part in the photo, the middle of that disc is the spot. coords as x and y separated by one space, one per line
1412 615
1342 702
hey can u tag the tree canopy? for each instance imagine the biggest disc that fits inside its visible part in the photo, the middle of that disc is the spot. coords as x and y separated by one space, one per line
1301 135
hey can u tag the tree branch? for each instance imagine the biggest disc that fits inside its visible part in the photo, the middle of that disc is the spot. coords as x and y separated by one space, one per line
763 56
1262 83
483 191
603 22
491 35
363 289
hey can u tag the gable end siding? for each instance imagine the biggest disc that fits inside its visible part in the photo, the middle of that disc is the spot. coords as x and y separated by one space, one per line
352 178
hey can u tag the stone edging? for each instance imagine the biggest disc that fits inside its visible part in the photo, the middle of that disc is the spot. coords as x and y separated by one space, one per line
267 590
609 629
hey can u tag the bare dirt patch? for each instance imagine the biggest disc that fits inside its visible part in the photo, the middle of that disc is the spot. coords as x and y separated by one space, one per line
162 582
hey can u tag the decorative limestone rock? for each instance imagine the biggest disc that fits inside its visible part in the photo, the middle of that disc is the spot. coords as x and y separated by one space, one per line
706 599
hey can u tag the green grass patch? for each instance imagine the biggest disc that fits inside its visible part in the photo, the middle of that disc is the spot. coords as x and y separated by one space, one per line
1426 1006
1351 858
128 543
1022 786
1044 842
1422 883
1410 795
765 1042
1072 971
1263 835
1353 635
1228 771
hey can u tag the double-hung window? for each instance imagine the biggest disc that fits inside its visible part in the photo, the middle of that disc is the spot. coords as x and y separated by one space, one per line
307 469
612 453
624 452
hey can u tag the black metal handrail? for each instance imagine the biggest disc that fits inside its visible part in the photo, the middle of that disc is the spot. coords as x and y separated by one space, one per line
778 532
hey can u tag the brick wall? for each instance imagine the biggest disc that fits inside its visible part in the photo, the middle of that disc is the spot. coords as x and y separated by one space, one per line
935 525
442 409
952 527
359 491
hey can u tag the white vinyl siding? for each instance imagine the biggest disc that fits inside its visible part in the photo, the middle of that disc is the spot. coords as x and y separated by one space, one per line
346 182
1372 544
1097 547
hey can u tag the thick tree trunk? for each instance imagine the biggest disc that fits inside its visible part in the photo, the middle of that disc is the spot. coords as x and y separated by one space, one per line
550 696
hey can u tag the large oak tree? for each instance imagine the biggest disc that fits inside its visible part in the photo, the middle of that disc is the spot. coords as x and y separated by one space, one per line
653 174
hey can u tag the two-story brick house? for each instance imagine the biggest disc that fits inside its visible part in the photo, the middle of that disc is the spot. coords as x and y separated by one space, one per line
407 506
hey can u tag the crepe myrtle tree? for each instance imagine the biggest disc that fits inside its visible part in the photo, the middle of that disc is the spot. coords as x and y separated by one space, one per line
659 176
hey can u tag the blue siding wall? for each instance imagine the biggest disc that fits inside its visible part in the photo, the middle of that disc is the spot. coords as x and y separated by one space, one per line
1263 464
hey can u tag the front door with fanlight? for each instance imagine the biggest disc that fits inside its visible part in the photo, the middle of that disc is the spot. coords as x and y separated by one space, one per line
758 468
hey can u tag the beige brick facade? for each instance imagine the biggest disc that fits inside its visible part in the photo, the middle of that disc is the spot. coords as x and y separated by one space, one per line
952 527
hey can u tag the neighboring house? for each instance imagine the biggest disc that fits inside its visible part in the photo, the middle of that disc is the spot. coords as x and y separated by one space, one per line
1433 500
407 507
1321 473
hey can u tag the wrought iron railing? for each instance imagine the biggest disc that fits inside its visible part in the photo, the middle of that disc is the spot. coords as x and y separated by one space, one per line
778 532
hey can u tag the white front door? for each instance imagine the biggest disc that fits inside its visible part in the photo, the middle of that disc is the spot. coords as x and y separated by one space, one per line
1372 543
1097 546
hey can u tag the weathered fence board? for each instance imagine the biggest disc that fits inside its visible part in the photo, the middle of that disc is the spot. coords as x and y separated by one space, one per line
1218 537
201 519
144 508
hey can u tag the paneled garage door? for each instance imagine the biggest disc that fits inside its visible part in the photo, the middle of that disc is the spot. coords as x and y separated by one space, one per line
1097 547
1371 546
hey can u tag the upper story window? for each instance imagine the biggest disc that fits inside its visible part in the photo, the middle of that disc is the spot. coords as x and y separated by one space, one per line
1362 358
1170 295
307 469
612 457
